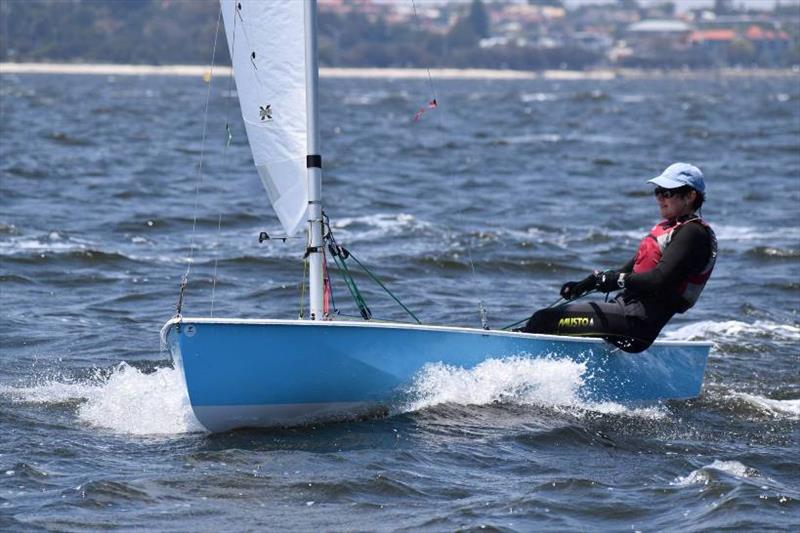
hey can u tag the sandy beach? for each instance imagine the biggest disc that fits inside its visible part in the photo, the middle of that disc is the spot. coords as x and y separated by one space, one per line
388 73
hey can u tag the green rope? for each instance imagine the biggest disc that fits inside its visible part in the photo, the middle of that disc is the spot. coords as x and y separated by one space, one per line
352 287
384 287
340 254
303 288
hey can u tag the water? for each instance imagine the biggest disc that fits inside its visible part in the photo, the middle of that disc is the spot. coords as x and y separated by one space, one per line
537 181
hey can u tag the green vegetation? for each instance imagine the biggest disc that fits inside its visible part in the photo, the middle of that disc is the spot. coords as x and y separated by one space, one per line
182 32
110 31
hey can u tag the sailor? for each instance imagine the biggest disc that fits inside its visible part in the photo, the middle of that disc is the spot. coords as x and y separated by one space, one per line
666 276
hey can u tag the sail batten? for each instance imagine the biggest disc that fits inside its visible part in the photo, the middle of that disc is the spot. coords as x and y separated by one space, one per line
267 45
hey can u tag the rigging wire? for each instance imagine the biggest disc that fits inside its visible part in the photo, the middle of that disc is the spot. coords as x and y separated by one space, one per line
199 179
427 68
225 152
384 287
457 190
216 261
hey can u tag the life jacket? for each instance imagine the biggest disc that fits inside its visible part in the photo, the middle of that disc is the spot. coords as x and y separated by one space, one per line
652 247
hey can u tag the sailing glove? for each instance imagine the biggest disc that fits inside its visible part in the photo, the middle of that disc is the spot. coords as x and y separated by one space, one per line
575 289
610 281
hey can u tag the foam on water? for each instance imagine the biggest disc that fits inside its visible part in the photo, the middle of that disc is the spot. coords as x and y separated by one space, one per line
378 226
51 243
538 97
124 400
547 382
516 380
704 475
533 138
745 233
776 408
733 329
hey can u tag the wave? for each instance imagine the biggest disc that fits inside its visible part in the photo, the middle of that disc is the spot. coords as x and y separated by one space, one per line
633 98
769 252
68 140
80 253
708 473
13 278
52 242
25 172
531 138
454 261
27 249
747 233
775 408
107 493
730 233
556 236
378 225
545 382
124 400
536 138
55 243
538 97
27 471
731 330
8 229
594 95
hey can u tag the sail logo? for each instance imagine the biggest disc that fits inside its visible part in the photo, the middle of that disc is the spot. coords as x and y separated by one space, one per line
265 112
576 322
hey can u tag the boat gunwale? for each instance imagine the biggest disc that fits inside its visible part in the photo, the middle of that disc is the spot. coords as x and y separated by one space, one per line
405 326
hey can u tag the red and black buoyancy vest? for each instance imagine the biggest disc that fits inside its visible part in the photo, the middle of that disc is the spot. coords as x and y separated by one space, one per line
652 248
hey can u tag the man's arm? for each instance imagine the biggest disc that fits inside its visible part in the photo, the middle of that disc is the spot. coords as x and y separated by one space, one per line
627 268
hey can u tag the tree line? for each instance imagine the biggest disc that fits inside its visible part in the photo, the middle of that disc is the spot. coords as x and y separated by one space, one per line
182 32
159 32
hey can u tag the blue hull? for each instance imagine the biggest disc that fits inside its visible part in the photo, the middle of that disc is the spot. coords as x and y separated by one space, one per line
255 373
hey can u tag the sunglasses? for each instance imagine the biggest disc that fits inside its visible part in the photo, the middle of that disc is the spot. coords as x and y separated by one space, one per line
667 193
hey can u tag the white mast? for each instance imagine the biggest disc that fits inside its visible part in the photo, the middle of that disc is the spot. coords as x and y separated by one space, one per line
314 165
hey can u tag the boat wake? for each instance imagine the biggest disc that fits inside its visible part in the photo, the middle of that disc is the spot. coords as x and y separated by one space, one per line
549 382
126 400
123 399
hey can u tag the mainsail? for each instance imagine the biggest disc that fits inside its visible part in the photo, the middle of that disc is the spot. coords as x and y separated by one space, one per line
266 40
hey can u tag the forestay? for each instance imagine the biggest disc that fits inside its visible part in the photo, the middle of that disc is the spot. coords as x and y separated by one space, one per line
266 41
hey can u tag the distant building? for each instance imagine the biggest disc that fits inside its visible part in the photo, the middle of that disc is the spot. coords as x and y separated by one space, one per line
769 45
713 44
593 40
742 43
658 38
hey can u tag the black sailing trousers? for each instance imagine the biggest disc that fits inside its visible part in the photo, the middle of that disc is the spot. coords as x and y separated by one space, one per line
624 322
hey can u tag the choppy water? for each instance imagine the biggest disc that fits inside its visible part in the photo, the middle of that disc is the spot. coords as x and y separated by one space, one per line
539 181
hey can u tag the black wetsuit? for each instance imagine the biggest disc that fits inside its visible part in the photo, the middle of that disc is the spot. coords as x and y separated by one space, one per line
634 318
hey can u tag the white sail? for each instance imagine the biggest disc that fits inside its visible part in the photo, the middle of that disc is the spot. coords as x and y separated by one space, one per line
267 44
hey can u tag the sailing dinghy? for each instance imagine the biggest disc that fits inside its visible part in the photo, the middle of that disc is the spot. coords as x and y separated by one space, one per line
264 372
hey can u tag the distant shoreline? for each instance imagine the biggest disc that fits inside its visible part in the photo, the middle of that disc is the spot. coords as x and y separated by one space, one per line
392 73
